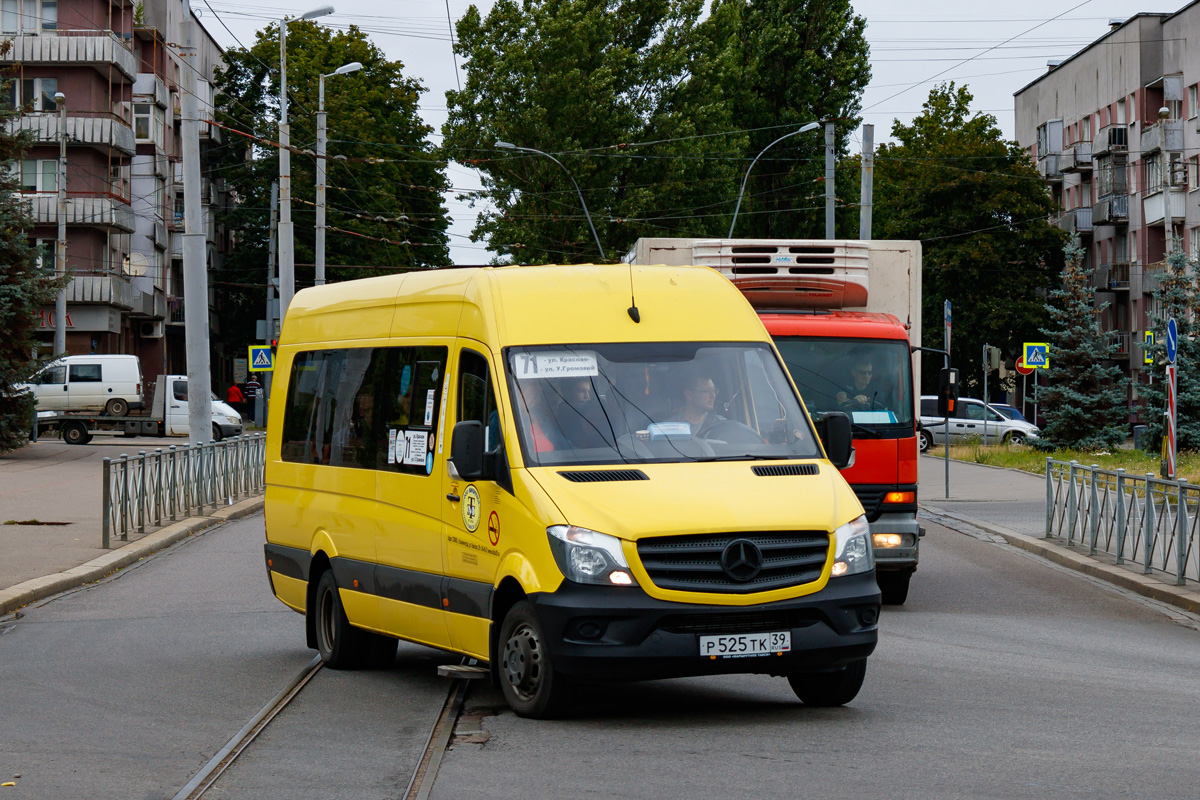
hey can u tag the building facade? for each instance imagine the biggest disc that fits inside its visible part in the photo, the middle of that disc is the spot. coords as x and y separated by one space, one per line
122 78
1115 132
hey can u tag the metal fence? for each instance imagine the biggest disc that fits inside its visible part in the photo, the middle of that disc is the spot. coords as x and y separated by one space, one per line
149 490
1138 519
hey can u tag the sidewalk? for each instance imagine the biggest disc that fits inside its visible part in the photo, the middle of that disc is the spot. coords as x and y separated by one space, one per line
52 482
1012 505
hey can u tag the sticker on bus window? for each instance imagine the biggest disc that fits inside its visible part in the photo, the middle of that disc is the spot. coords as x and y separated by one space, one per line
668 430
429 398
874 417
392 446
415 447
556 364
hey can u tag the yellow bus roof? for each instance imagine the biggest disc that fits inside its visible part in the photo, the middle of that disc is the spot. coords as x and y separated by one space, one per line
519 305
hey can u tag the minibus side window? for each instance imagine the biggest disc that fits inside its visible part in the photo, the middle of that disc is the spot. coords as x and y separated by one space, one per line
477 399
84 373
365 408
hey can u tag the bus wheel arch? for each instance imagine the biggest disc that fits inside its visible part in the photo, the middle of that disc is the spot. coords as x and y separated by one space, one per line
505 596
318 565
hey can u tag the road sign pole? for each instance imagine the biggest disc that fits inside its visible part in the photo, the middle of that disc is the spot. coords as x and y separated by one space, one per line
985 393
946 429
1172 407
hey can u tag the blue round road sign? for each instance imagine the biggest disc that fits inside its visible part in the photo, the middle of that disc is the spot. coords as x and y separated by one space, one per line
1172 340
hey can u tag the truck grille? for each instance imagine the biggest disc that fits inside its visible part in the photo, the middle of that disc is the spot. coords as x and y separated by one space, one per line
695 562
871 498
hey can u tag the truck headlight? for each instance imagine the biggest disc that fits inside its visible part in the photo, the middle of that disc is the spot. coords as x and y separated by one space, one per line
854 553
586 556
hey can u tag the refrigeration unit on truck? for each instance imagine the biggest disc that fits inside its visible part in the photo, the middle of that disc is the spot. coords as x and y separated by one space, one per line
845 316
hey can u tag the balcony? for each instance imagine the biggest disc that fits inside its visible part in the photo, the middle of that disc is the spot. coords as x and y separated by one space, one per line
1111 209
98 129
1165 134
1111 139
1116 276
83 208
1048 166
1120 344
1077 158
1152 277
150 88
1154 205
100 49
103 289
1077 221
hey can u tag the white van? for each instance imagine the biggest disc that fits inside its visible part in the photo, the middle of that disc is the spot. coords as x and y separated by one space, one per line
111 384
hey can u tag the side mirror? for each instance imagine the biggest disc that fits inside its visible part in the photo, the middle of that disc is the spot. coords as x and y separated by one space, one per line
838 439
466 449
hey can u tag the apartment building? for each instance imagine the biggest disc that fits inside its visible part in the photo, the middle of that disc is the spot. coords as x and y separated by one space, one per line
1115 132
122 76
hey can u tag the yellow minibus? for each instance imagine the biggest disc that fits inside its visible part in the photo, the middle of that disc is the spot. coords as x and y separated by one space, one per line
571 473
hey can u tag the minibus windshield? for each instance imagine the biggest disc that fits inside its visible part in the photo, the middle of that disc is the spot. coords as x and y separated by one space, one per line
649 402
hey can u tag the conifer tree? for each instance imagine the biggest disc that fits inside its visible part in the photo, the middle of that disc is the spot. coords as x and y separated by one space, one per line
1085 402
1178 299
23 290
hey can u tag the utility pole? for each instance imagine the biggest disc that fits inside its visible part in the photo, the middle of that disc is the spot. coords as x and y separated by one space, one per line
272 331
322 143
829 177
868 181
195 276
287 254
60 246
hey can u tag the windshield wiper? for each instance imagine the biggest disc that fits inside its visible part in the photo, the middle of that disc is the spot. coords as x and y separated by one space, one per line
748 457
871 432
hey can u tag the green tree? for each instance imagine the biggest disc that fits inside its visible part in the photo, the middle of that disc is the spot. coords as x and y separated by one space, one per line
385 179
1085 401
583 80
1179 299
24 289
983 215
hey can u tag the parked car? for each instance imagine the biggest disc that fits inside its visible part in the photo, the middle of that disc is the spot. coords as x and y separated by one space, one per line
968 420
110 384
1012 412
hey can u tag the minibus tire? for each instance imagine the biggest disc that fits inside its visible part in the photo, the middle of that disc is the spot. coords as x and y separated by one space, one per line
826 689
340 644
527 678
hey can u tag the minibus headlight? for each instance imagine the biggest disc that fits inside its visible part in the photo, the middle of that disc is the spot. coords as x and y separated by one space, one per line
586 556
854 553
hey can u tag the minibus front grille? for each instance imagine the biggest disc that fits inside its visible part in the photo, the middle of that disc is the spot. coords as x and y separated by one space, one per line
772 470
605 475
700 563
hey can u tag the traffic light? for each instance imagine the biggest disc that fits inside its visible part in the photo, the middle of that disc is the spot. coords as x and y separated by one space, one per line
992 357
947 391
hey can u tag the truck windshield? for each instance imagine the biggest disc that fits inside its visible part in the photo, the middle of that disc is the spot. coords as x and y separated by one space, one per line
869 379
650 402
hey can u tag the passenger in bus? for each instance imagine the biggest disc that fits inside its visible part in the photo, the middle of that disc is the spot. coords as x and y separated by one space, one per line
581 418
543 427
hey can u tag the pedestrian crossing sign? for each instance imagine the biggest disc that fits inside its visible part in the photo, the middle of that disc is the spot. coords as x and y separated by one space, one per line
261 358
1037 355
1147 343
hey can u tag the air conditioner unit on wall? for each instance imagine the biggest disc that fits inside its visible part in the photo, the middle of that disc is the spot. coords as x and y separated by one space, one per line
152 329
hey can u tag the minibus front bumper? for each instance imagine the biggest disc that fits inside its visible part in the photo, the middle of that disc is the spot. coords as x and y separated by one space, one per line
618 633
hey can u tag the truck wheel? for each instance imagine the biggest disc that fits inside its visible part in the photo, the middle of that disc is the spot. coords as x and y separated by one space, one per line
75 433
825 689
893 586
924 440
527 678
117 407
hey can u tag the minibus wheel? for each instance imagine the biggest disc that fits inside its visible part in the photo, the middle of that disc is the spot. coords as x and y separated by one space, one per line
341 645
824 689
527 678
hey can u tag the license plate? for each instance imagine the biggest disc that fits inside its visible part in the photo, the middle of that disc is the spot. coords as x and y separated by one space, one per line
739 645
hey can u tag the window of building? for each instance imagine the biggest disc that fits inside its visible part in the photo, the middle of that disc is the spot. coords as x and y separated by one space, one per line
1154 173
1193 95
1193 166
45 254
34 94
1134 254
1194 242
148 123
28 16
1119 113
1176 109
39 175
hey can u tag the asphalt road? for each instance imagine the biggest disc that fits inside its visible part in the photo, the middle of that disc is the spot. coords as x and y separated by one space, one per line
1002 677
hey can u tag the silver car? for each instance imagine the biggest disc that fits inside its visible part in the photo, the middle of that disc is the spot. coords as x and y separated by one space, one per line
968 420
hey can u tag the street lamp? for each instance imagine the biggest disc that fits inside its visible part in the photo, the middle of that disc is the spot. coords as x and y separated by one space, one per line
353 66
60 246
510 146
803 129
287 251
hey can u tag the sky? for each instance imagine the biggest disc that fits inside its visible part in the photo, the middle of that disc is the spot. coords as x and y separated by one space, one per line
916 44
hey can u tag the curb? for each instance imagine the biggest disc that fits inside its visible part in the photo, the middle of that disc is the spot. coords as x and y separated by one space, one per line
22 594
1140 583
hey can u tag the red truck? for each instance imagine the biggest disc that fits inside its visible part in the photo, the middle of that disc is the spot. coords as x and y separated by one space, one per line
844 315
